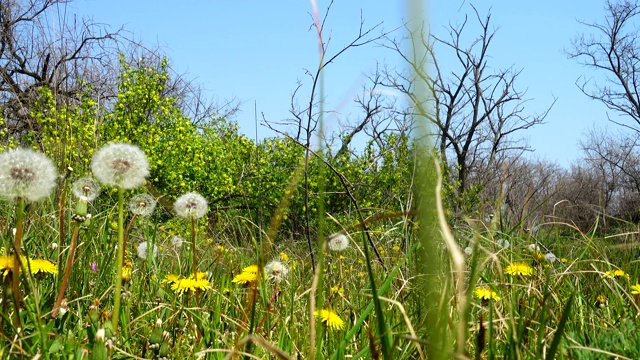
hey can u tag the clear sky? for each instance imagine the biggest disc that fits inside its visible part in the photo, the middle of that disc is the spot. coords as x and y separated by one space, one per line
258 50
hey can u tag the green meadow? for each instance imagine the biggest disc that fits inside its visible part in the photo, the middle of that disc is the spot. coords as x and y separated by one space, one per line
134 227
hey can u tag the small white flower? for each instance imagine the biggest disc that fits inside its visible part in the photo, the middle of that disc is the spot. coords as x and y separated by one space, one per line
120 165
26 174
338 242
142 204
85 188
142 250
504 243
275 270
550 257
191 206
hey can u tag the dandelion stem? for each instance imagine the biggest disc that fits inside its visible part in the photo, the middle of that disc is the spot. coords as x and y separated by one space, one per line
195 263
15 285
67 269
119 261
126 237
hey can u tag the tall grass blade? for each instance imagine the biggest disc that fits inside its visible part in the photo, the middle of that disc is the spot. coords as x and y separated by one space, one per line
557 337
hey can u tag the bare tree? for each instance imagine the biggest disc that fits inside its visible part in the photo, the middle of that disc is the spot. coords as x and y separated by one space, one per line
306 118
477 110
613 50
616 161
67 60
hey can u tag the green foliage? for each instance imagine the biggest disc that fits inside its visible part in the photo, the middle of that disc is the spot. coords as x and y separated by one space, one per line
622 339
67 131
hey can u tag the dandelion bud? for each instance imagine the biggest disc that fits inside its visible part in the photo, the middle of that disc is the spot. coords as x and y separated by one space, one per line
81 206
100 335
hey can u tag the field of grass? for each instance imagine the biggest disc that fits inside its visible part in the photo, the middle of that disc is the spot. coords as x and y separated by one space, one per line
235 290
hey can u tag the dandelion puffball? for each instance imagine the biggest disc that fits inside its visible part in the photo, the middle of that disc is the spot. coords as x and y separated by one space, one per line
120 165
338 242
276 271
142 204
143 249
85 188
191 206
26 174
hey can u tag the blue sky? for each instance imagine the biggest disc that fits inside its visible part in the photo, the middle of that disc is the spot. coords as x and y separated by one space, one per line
258 50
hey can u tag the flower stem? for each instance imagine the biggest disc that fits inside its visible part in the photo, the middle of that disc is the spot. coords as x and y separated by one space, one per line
126 236
195 263
67 269
15 285
115 317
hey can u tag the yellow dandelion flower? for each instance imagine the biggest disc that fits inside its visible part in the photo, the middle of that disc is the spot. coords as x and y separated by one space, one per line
601 301
251 269
284 257
337 290
221 249
635 289
329 318
519 268
43 266
616 274
126 273
245 278
396 248
170 279
6 264
485 293
538 256
182 286
201 275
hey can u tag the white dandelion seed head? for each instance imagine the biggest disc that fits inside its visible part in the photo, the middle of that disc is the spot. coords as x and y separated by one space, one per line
120 165
551 257
504 243
143 248
85 188
177 241
191 206
26 174
532 248
275 270
142 204
338 242
468 250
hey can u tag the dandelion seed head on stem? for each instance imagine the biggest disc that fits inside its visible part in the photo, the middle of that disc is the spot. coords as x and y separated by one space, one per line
275 271
338 242
85 188
143 249
191 206
142 204
120 165
26 174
